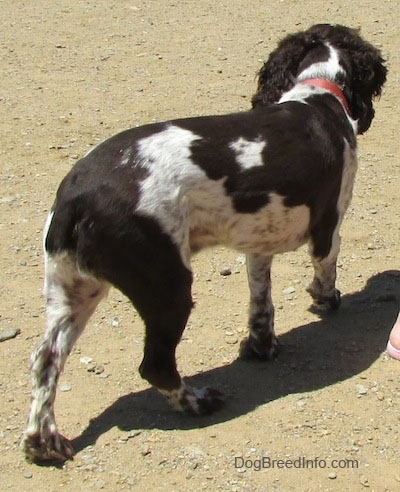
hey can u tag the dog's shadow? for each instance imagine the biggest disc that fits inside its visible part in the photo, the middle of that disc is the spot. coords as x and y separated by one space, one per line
336 347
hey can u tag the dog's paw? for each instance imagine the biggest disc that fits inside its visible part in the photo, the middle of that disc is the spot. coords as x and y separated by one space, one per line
324 302
195 401
203 401
54 447
250 348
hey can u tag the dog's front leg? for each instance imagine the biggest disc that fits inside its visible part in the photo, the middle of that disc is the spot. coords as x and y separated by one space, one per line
261 342
322 289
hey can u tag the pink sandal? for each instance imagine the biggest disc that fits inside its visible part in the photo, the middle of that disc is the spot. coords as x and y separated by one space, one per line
392 351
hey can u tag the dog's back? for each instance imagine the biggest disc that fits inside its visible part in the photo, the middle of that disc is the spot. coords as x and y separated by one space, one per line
256 181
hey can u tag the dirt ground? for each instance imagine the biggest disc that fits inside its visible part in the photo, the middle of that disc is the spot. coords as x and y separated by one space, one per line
74 73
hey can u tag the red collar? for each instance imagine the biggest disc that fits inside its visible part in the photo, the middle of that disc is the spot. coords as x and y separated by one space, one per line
332 88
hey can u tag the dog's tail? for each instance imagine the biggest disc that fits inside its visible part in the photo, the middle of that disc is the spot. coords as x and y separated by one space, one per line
59 233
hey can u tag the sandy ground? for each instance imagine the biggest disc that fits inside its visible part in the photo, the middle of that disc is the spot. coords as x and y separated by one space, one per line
74 73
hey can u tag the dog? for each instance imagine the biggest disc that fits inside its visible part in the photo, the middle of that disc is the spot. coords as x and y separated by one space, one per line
132 212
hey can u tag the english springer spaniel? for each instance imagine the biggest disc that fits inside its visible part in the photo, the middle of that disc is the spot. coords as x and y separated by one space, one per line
132 212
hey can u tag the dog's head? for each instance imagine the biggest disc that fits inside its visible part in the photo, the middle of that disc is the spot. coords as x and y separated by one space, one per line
362 73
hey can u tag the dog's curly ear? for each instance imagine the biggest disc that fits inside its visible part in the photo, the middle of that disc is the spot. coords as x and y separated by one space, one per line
369 75
278 73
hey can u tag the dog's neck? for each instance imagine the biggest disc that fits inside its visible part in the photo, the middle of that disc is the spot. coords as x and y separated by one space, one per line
331 87
325 74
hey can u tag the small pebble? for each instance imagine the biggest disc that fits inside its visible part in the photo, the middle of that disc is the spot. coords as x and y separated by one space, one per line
65 387
289 290
86 360
241 259
28 474
225 272
232 340
332 476
361 390
9 333
99 369
114 321
96 368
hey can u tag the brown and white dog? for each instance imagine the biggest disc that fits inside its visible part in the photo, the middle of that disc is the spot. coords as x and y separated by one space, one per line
132 212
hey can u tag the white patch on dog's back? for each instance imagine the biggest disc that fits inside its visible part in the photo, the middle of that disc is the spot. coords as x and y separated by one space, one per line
248 153
167 157
172 173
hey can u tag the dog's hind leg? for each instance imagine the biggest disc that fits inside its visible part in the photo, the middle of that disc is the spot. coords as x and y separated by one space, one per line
164 328
165 314
261 342
146 265
71 298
